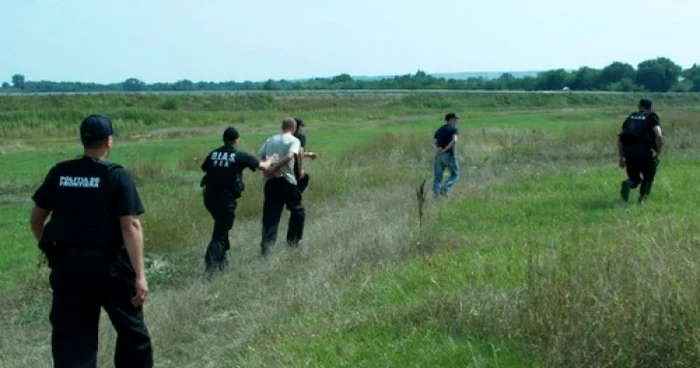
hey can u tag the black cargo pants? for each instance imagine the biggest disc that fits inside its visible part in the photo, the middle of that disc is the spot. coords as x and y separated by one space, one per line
303 182
641 170
222 208
83 281
278 193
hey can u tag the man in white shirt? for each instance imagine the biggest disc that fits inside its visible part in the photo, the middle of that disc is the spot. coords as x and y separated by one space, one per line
281 187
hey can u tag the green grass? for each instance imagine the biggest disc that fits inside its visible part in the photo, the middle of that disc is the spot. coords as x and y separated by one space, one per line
395 343
532 262
443 310
18 250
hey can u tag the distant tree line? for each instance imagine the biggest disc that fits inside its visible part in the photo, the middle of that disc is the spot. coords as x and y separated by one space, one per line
654 75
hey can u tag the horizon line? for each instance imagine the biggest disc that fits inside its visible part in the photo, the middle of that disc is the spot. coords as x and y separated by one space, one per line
354 76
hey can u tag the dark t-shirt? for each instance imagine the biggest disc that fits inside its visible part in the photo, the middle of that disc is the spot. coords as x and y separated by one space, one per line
223 170
637 133
302 139
444 136
85 208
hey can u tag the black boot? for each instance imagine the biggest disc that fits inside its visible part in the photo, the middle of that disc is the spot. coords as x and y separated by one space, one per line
625 190
644 191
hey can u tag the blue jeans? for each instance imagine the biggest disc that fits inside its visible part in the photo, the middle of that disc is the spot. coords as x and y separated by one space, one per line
442 162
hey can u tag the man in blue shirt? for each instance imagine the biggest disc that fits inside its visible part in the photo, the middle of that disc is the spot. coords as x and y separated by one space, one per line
444 141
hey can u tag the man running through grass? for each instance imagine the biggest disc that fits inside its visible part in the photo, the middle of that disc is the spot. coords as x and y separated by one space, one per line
639 146
444 141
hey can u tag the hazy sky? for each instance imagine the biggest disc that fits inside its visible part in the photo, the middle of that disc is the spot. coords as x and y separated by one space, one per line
216 40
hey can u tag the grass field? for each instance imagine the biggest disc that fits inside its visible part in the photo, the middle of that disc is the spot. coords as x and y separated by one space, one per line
532 262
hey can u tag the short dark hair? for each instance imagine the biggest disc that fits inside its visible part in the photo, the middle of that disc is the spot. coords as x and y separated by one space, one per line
645 103
230 134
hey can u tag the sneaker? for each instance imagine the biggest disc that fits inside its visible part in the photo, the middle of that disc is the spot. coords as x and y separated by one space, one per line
625 191
643 199
443 193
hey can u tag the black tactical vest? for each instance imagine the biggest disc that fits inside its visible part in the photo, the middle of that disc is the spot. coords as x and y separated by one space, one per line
84 213
636 134
224 174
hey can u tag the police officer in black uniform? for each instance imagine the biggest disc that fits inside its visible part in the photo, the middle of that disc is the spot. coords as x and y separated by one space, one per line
639 146
223 185
302 177
94 246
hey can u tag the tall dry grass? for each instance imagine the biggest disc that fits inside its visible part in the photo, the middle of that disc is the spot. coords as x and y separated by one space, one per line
627 299
29 116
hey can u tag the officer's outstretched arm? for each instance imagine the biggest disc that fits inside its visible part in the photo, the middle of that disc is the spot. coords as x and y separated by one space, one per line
37 221
265 162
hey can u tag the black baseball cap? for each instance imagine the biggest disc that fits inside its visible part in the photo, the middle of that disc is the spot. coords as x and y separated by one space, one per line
450 116
299 121
230 134
645 103
96 127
